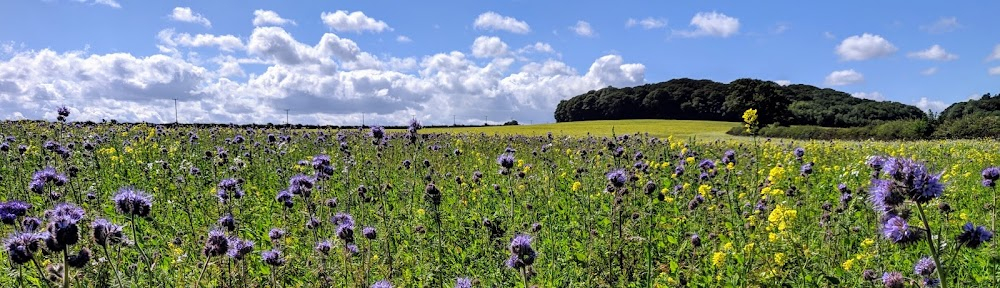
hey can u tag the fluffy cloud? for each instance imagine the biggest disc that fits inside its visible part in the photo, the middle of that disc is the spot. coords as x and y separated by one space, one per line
864 47
582 28
493 21
783 82
932 105
933 53
995 70
712 24
844 77
269 18
869 95
943 25
109 3
488 47
647 23
995 55
331 81
929 71
228 43
184 14
355 21
403 39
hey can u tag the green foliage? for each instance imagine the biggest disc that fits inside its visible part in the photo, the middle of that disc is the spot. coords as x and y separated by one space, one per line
984 125
709 100
892 130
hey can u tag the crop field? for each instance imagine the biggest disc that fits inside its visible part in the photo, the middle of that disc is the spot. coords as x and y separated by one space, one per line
147 206
655 128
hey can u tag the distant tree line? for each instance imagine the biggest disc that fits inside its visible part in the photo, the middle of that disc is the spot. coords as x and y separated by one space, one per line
691 99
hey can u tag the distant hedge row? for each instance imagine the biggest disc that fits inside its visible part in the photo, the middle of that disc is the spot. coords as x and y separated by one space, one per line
974 126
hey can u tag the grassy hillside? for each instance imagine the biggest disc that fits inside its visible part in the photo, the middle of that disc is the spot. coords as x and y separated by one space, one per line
655 128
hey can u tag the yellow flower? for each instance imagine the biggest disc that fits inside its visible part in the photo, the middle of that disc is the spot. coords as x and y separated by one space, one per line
704 190
375 258
576 186
686 186
748 247
689 160
750 118
728 246
771 237
867 242
420 212
779 258
718 258
848 264
776 173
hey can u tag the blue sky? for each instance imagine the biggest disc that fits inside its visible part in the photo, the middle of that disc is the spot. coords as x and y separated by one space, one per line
333 61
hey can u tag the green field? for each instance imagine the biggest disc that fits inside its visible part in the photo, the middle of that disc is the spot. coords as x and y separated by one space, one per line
655 128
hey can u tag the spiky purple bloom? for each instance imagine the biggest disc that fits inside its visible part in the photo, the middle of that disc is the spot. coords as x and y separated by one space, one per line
729 157
912 179
893 280
931 282
239 248
276 234
31 224
324 247
216 244
521 253
227 221
46 175
617 177
843 188
369 232
506 160
924 267
283 196
799 152
884 197
990 176
21 247
65 210
320 161
345 231
897 230
352 249
229 188
342 218
806 169
973 236
382 284
130 201
377 132
707 164
273 257
463 282
679 170
875 162
62 111
106 233
10 210
301 185
80 259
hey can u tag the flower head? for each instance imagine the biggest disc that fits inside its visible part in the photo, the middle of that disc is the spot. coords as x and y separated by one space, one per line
216 244
21 247
924 267
893 280
106 233
463 282
506 160
10 210
239 248
129 201
382 284
521 253
617 177
973 236
273 257
897 230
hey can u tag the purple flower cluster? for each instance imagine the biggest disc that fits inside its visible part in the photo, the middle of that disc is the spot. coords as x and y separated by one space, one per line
617 177
521 253
506 160
129 201
106 233
897 230
990 176
973 236
229 189
46 175
11 210
21 247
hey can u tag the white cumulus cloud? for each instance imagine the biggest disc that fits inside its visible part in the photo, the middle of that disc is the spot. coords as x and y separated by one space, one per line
864 47
646 23
995 55
485 46
269 18
582 28
935 52
356 21
493 21
184 14
942 25
932 105
712 24
228 43
869 95
844 77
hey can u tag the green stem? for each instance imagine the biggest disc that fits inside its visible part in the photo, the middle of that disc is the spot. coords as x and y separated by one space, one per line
931 245
65 267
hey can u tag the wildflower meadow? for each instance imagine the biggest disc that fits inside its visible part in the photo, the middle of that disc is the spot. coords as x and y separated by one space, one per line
137 205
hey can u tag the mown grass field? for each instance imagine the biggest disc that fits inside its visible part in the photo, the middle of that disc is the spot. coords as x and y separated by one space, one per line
432 209
709 130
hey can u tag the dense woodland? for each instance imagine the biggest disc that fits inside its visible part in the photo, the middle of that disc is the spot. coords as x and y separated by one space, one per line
709 100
